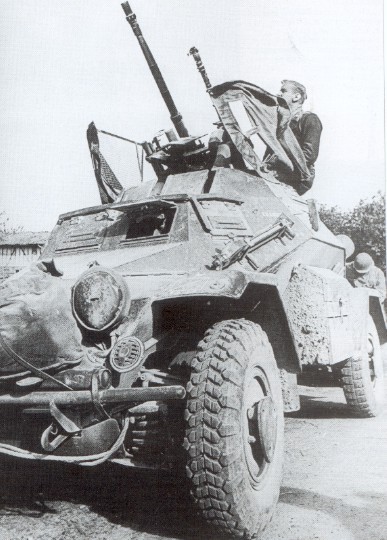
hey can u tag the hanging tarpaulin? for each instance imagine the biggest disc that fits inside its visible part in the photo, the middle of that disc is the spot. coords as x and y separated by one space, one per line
37 326
269 118
108 185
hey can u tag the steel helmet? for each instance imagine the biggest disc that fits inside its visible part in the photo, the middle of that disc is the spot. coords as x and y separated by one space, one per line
362 263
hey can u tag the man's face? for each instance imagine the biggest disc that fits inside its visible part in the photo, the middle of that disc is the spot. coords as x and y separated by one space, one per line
289 94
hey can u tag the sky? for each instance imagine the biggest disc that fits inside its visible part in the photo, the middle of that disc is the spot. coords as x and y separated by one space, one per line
65 63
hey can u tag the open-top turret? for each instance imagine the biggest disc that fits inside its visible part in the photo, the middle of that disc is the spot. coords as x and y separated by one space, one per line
169 324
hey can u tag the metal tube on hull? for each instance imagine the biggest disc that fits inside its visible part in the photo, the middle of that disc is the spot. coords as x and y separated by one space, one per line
175 115
82 397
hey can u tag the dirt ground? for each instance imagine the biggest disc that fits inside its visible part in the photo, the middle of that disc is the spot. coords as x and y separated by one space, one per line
334 487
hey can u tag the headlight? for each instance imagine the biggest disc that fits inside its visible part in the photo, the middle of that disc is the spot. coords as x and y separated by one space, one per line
100 299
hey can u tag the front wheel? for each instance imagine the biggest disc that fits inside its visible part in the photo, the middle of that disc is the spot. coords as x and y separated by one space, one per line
362 377
235 428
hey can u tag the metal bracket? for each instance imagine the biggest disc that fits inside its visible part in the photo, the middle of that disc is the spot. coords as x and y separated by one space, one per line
280 229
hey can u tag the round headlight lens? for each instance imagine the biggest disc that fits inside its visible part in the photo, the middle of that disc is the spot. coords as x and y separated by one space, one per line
100 299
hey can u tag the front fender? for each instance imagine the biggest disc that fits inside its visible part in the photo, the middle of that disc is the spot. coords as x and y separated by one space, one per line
229 284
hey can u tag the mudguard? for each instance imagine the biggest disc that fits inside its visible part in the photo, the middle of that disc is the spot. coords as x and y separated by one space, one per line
231 284
327 317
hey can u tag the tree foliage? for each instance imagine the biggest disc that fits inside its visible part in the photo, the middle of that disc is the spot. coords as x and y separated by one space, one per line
6 228
365 225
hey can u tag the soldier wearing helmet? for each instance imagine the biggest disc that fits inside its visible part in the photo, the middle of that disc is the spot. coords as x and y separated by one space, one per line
362 272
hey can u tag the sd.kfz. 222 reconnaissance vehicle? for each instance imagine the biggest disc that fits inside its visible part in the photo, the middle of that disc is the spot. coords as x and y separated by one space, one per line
171 322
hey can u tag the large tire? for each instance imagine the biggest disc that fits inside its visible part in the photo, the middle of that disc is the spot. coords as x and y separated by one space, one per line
235 429
362 377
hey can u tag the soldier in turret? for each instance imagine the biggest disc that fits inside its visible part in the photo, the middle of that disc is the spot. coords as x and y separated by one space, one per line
305 125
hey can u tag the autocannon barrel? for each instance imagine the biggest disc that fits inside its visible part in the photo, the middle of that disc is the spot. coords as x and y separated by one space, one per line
175 115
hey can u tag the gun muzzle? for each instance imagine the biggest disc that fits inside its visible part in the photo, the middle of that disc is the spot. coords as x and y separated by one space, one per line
176 117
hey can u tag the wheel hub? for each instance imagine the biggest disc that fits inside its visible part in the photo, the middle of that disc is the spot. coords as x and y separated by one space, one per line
370 347
261 425
371 352
267 426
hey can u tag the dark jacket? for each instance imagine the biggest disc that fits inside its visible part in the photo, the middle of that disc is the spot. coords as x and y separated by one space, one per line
307 130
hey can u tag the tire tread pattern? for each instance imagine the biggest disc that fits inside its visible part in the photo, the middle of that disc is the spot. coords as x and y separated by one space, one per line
356 390
212 439
357 384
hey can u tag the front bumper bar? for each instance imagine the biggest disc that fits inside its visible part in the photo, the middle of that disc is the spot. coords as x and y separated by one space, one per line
82 397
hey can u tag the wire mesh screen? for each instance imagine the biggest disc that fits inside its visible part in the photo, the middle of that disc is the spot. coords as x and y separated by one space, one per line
126 159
